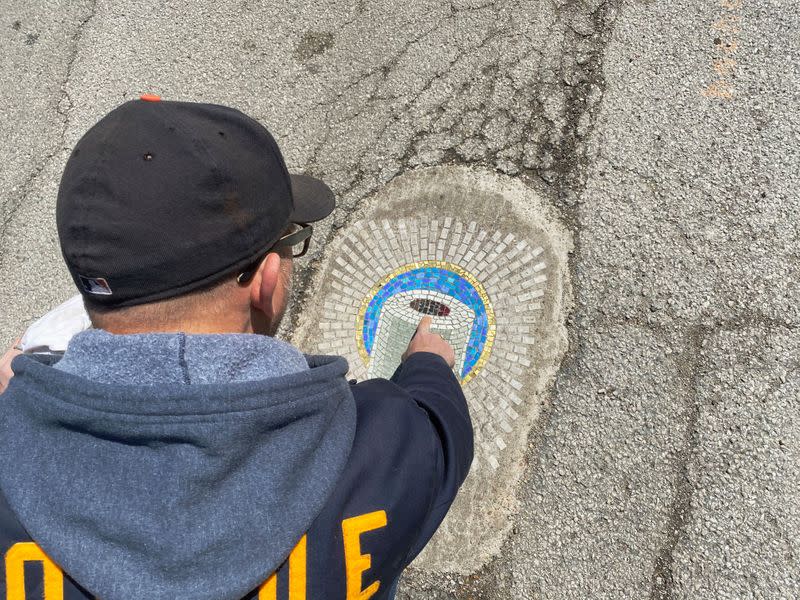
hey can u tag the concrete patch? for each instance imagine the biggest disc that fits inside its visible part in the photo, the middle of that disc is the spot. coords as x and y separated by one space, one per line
487 259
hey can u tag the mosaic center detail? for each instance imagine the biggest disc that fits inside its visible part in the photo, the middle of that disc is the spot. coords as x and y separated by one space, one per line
458 305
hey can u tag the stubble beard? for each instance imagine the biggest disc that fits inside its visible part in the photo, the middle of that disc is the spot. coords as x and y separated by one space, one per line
286 281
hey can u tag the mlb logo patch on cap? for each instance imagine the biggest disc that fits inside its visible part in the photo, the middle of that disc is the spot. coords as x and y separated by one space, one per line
95 285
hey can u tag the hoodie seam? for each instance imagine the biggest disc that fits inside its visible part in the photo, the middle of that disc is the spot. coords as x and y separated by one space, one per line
432 486
182 359
177 417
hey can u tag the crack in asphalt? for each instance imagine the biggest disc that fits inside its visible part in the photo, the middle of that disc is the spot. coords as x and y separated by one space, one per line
13 206
75 42
383 69
534 144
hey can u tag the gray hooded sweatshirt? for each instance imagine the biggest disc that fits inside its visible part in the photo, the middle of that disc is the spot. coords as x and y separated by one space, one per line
168 466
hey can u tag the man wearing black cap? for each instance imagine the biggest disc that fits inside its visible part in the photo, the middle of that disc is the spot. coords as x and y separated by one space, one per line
176 449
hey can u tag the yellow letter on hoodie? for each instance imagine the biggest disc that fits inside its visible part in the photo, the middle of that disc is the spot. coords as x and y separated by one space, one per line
297 576
355 562
16 557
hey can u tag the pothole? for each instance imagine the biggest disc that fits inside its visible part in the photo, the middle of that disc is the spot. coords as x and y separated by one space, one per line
486 258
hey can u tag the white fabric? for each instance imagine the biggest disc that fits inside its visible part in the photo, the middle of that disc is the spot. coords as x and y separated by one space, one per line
53 331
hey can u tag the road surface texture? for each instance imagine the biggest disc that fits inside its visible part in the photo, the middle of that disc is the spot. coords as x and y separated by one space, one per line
665 135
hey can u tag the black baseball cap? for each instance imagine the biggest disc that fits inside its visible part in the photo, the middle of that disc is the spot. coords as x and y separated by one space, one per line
160 198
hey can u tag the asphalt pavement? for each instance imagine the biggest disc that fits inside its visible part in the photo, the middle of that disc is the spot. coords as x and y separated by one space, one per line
666 137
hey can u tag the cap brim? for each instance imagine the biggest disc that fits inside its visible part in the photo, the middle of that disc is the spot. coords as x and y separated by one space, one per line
313 200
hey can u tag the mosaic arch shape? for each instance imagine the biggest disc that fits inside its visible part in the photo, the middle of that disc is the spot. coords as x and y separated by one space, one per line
455 300
486 258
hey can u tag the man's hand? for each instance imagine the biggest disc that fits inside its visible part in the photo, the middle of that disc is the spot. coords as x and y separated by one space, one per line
5 366
425 341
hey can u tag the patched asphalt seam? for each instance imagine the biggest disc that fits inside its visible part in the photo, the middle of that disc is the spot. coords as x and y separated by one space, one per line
663 576
582 70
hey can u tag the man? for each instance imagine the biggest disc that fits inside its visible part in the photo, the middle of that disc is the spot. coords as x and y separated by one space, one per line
176 450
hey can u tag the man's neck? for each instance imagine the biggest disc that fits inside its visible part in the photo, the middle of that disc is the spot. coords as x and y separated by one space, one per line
191 328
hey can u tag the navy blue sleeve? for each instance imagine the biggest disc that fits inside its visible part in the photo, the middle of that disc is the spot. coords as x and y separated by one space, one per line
431 383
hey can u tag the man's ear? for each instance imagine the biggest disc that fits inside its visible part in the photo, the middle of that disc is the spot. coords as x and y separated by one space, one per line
264 284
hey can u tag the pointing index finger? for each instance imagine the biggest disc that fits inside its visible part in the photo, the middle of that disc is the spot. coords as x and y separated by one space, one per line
425 324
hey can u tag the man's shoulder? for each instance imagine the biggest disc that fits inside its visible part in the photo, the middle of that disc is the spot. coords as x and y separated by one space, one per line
394 440
387 410
391 468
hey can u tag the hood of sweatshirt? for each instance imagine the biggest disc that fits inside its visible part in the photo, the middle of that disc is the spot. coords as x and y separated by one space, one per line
167 466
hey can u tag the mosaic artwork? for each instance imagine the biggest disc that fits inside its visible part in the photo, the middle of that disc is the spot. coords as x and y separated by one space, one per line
486 258
457 304
482 290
